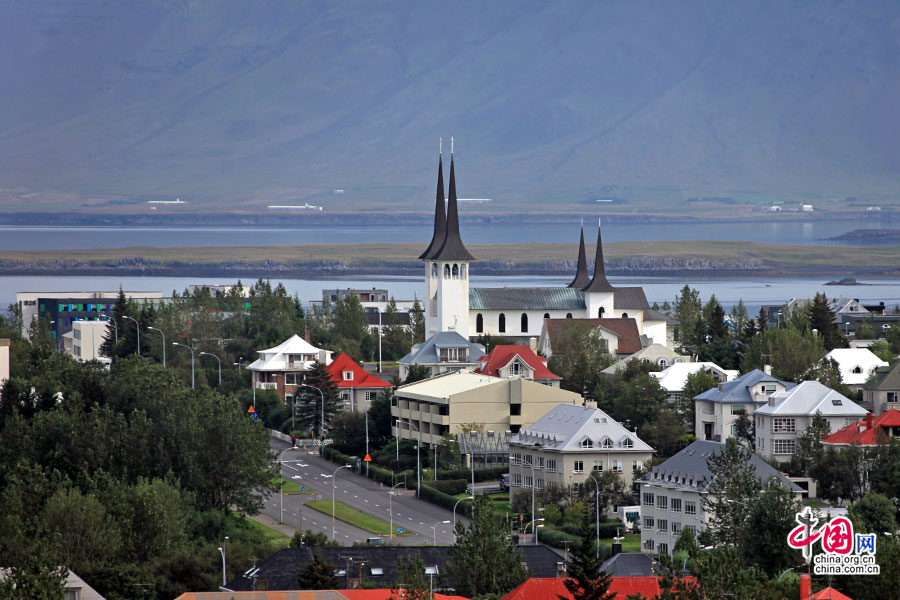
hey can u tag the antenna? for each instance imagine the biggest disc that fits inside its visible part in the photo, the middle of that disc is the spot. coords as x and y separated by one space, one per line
440 145
599 222
451 145
582 222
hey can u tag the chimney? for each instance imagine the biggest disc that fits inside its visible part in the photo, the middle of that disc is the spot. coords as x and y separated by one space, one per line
616 548
868 421
767 369
306 336
532 343
805 587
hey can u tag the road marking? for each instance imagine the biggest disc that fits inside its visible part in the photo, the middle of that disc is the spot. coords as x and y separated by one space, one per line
355 496
366 501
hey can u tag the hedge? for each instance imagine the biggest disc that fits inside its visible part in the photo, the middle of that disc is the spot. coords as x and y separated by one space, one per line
448 486
490 474
607 530
556 537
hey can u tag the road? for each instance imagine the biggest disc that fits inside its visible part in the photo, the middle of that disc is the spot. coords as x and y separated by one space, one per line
363 494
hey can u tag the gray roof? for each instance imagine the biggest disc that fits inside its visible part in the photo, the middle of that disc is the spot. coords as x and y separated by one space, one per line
809 398
631 564
426 352
544 298
565 427
654 315
651 353
689 470
630 297
738 391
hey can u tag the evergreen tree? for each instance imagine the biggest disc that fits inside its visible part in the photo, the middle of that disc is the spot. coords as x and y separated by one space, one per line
821 318
396 339
411 583
809 449
717 327
790 352
317 575
586 580
350 330
417 322
688 309
740 318
885 474
734 485
745 431
309 402
417 373
874 513
762 320
484 559
695 384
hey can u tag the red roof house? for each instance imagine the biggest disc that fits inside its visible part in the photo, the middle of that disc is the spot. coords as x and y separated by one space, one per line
517 361
868 432
552 588
356 386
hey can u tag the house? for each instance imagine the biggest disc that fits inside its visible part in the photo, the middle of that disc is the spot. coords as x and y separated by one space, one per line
444 403
630 564
284 367
356 387
620 337
83 341
788 413
517 361
843 309
674 378
868 432
655 354
74 587
374 565
672 494
356 594
856 365
716 410
569 443
4 362
444 352
881 392
554 588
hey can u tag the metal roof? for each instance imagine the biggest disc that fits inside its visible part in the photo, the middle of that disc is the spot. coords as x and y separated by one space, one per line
426 352
738 391
809 398
630 297
544 298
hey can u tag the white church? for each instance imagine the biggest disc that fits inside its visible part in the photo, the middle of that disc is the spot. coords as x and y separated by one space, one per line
522 313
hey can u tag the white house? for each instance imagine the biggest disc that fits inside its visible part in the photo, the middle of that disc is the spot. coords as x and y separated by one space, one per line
674 378
787 415
444 352
283 368
717 409
856 365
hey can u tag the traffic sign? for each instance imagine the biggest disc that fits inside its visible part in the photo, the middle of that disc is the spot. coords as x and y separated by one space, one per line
302 488
251 410
368 457
399 530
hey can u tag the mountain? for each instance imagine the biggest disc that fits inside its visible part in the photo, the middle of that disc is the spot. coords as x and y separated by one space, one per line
235 105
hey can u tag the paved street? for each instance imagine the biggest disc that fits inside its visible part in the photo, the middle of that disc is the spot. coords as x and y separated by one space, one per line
359 492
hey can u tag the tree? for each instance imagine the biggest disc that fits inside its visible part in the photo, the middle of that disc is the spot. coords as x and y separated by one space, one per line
317 575
828 373
350 329
666 435
790 353
417 373
809 449
715 320
309 401
396 342
579 354
734 485
770 516
740 319
484 559
417 322
688 309
885 473
744 430
821 319
380 418
586 580
695 384
639 400
762 320
883 351
411 583
874 513
841 475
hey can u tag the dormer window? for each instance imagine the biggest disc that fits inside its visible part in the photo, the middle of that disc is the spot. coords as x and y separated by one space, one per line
627 443
587 443
607 443
348 375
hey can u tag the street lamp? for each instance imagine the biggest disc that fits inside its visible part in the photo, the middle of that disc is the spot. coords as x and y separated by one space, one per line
218 360
472 498
192 361
391 505
164 342
334 487
535 528
418 463
138 327
281 478
222 551
239 363
597 503
434 531
306 385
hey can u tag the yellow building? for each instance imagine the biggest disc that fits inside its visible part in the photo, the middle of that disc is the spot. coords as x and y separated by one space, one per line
444 403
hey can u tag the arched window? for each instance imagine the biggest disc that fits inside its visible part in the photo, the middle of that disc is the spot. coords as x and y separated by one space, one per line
663 363
546 315
446 271
600 312
455 271
501 326
434 270
479 323
624 315
568 315
463 272
524 322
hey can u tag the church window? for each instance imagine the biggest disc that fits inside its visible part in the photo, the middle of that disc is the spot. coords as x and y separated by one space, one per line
462 272
455 271
524 322
434 270
624 315
479 323
502 323
546 315
446 271
568 315
600 312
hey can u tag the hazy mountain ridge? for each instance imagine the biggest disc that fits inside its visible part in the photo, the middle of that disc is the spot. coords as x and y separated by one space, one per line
270 100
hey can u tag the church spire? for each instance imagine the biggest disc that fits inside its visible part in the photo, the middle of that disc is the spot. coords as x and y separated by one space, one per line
599 283
581 274
452 247
440 218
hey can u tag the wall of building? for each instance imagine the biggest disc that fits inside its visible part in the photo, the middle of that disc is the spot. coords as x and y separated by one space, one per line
491 321
4 360
765 437
652 536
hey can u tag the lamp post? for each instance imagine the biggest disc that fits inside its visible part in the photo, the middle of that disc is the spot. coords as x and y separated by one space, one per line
238 364
597 518
391 505
222 551
192 362
334 487
281 478
434 531
472 498
322 396
138 327
164 342
218 360
471 456
418 462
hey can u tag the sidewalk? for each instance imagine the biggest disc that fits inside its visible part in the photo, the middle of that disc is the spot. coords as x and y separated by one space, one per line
274 524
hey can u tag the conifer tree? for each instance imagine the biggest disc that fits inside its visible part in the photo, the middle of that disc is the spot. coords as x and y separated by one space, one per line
309 401
417 322
587 581
317 575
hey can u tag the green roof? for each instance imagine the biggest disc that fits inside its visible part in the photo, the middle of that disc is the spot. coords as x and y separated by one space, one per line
885 378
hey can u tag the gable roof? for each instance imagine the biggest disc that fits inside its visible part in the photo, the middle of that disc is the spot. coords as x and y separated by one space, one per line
566 426
631 564
651 353
851 359
738 390
554 588
809 398
357 594
500 356
885 378
674 377
361 378
689 470
276 358
630 297
829 593
427 351
541 298
629 339
865 432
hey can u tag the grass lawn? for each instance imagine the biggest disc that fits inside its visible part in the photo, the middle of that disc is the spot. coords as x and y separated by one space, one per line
267 533
631 543
291 486
350 515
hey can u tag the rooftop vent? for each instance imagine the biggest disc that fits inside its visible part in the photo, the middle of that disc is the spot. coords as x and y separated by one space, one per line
836 401
377 571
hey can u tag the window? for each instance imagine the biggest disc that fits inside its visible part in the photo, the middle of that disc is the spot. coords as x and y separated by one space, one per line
783 446
528 481
377 571
540 484
462 272
345 397
648 544
551 465
598 466
479 323
515 459
617 466
579 466
676 528
648 499
767 388
73 595
546 315
628 443
587 443
600 312
524 323
737 409
783 425
663 549
662 502
515 479
368 396
434 273
446 271
538 462
692 529
624 315
637 466
515 410
662 525
527 460
663 363
348 375
648 523
501 326
760 443
607 443
676 504
455 271
892 396
568 315
734 430
690 507
515 368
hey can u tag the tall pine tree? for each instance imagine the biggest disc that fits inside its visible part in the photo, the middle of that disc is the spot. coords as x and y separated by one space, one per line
317 575
309 403
587 581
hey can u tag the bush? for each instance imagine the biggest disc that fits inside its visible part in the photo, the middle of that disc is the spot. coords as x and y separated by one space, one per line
490 474
556 537
448 486
607 530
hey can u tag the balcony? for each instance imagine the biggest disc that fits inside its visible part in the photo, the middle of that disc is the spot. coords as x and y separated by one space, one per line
265 385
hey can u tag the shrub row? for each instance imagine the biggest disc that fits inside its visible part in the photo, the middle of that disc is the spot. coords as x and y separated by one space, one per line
556 537
438 498
448 486
490 474
607 530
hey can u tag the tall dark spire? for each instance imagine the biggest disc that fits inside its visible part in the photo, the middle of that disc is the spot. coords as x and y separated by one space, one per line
581 274
440 218
452 247
599 283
